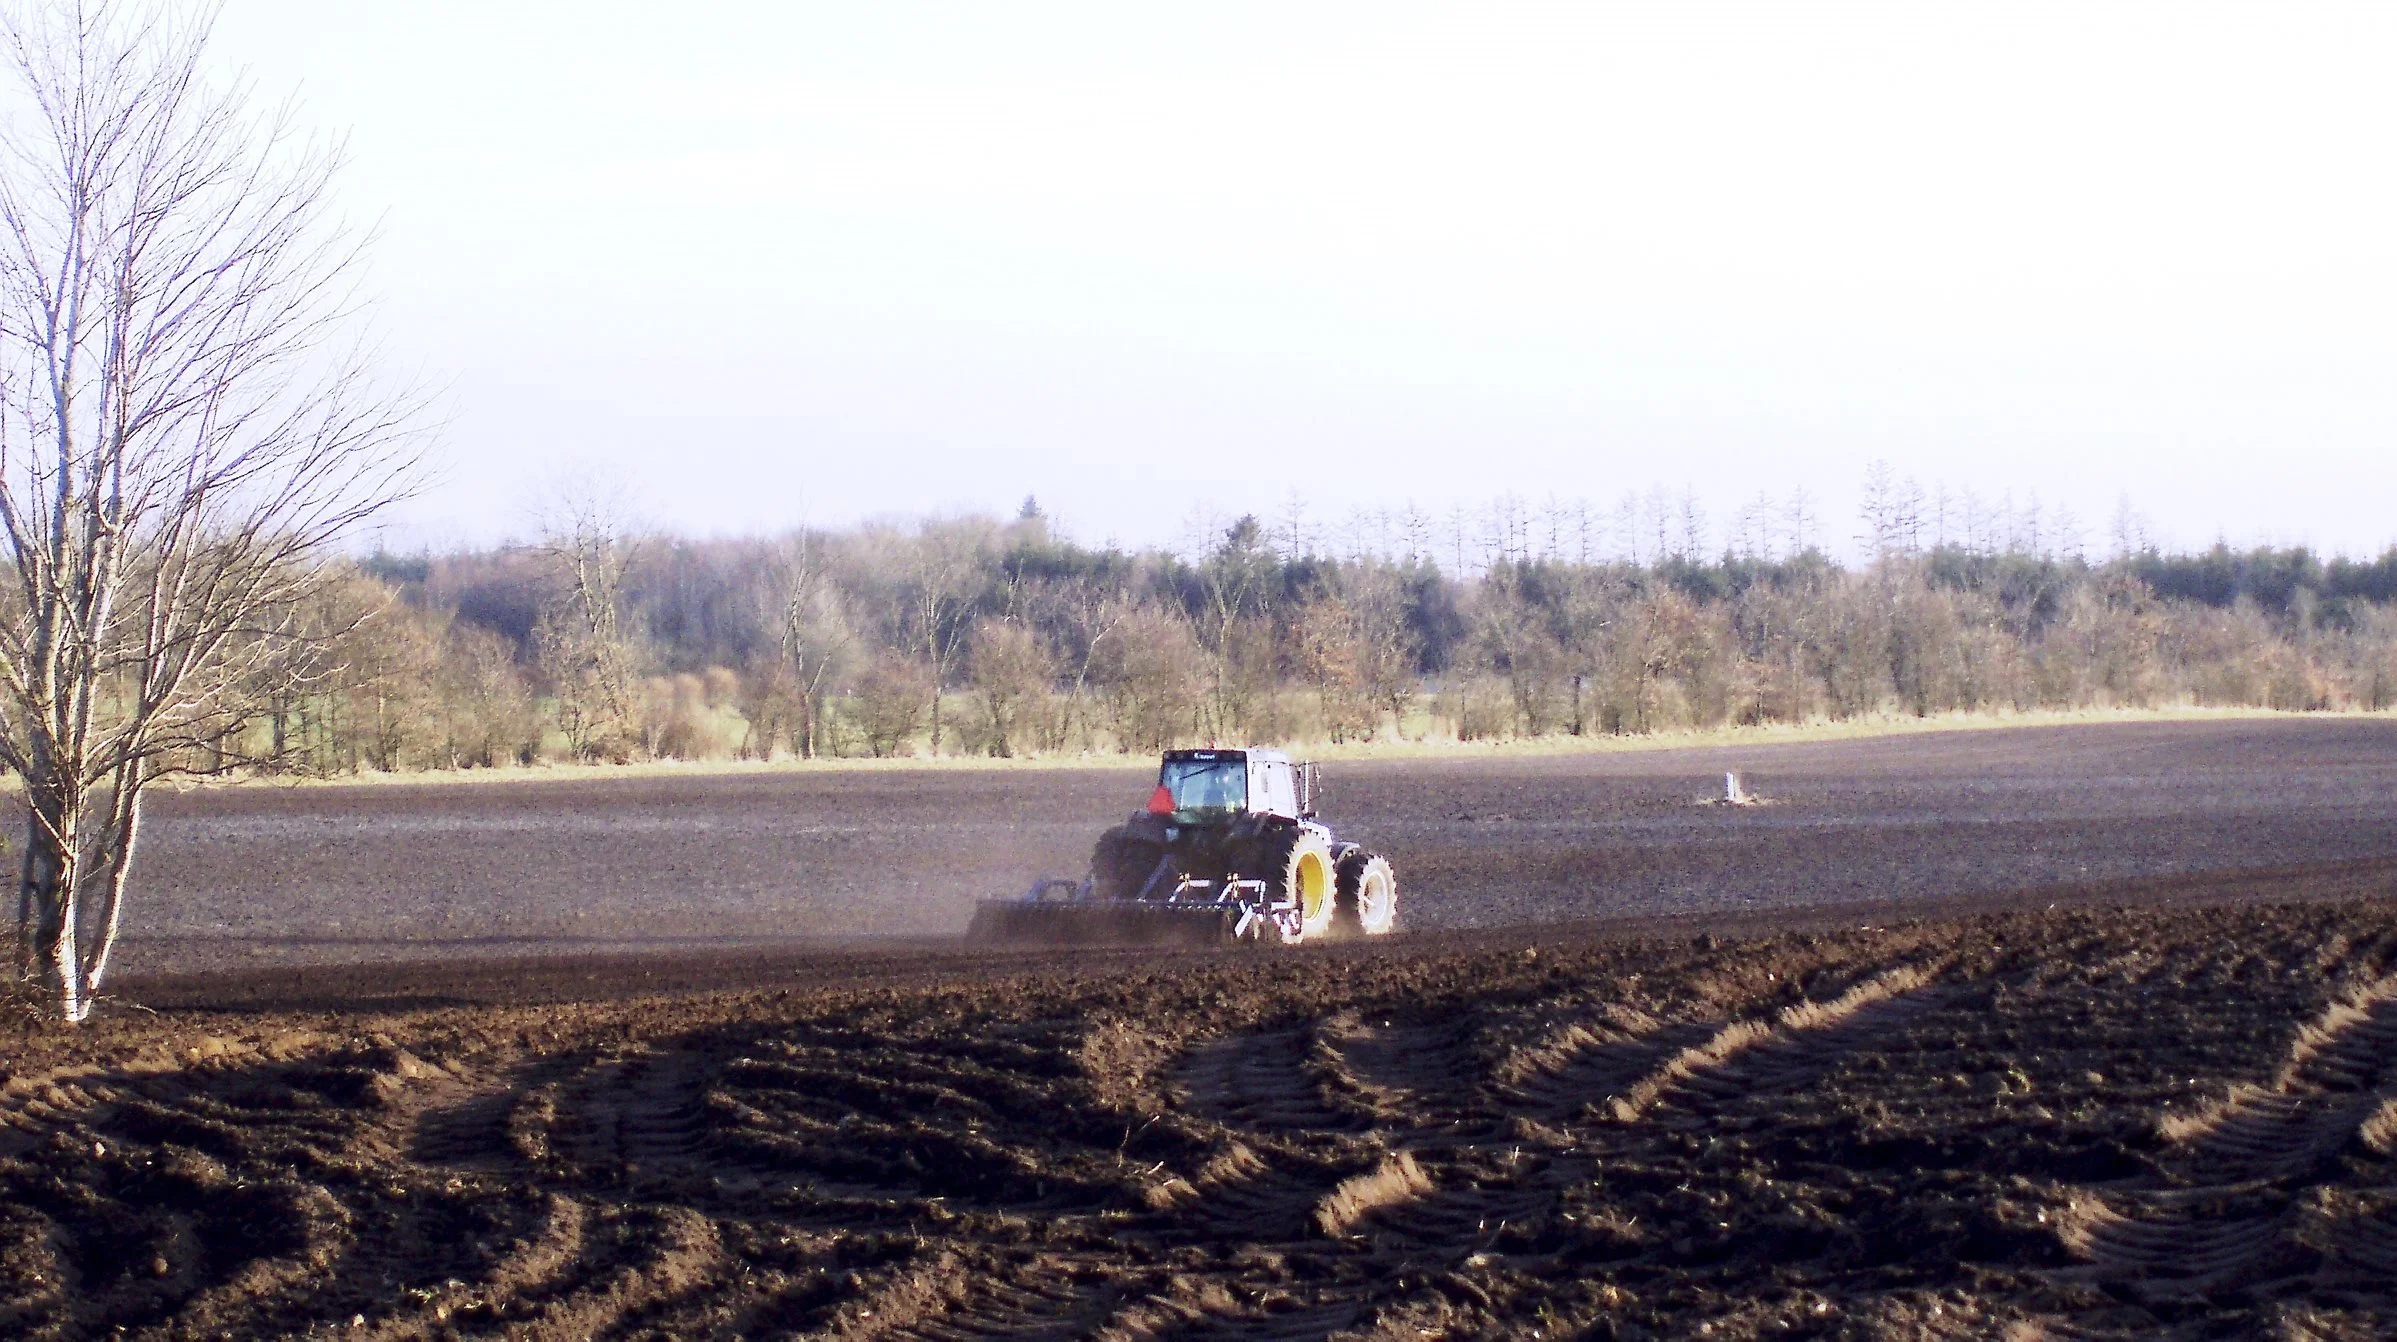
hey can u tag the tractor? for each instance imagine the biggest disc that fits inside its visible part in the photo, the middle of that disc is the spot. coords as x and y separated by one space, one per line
1228 849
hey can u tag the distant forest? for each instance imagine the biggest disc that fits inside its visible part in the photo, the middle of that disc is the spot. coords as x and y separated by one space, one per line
988 636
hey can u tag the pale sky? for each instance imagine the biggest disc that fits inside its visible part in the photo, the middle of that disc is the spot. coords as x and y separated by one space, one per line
768 263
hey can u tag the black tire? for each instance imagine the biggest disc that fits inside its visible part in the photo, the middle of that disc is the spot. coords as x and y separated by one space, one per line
1296 863
1121 864
1367 895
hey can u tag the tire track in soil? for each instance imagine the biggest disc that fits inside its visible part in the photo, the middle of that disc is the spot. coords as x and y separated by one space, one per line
1425 1082
1295 1213
1252 1196
1468 1184
33 1107
2369 1250
949 1297
423 1120
1469 1200
638 1113
463 1124
1622 1068
579 1269
2329 1089
1269 1083
2332 1089
1371 1098
1593 1062
541 1266
2164 1258
677 1253
242 1299
1795 1046
2378 1131
585 1268
1050 1299
1565 1075
1413 1085
1420 1076
1262 1081
1209 1310
231 1244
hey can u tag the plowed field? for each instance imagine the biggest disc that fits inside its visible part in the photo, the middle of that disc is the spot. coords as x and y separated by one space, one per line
314 875
2161 1101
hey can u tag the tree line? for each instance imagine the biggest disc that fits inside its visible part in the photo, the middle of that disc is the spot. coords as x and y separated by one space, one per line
1001 637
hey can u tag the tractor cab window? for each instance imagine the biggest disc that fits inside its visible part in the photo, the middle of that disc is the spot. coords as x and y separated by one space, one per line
1216 786
1272 784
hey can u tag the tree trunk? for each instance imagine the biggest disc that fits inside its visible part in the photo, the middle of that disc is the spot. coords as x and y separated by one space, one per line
49 888
76 851
811 712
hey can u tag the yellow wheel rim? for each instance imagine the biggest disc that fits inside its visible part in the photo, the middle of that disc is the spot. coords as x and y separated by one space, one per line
1314 888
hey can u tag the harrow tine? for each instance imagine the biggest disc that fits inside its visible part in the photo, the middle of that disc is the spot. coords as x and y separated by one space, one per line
1105 923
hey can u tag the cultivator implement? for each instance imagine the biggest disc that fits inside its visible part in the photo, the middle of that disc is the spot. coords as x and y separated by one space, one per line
1066 913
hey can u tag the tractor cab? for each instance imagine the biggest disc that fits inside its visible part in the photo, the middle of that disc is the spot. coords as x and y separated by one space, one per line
1215 787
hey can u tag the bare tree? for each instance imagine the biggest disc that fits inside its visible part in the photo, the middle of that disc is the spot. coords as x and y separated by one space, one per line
1090 610
1330 656
1013 670
1751 537
579 638
1879 510
184 433
1415 527
943 568
1693 528
1388 648
489 714
1798 522
1239 580
817 641
1297 538
1147 669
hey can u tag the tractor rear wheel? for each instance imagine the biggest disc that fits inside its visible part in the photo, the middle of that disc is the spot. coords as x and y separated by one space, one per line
1367 887
1296 865
1121 864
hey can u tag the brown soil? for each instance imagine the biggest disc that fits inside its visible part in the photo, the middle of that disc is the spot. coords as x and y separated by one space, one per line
2154 1101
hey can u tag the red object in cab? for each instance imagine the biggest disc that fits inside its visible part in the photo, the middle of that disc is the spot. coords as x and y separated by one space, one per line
1161 802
